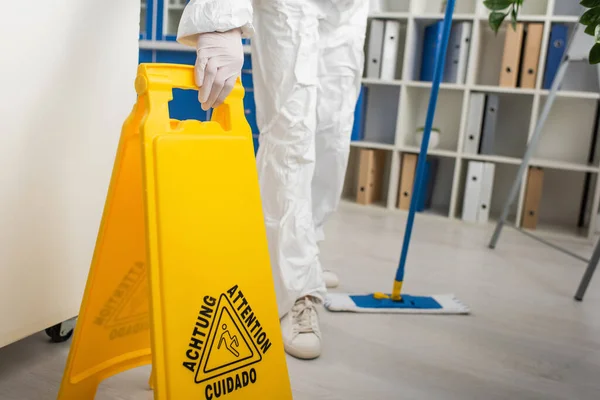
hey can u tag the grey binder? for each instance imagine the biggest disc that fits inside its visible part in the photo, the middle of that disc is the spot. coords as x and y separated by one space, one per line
458 53
375 48
490 119
474 123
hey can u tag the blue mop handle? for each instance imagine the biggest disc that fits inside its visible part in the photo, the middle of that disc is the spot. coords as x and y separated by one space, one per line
439 69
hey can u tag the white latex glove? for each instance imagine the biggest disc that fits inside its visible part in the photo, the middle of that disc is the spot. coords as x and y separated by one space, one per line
218 65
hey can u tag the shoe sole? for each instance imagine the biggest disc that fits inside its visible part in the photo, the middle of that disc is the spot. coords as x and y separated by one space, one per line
296 354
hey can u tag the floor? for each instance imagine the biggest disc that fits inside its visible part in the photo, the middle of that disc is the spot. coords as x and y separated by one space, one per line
526 337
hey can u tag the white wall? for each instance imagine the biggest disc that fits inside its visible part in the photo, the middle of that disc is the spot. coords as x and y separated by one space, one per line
67 69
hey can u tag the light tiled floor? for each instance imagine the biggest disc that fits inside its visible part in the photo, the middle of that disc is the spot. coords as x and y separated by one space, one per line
526 337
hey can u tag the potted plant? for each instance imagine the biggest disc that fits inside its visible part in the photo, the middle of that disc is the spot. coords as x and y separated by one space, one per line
434 139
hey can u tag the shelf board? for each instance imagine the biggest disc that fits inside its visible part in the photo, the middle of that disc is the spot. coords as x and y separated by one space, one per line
501 89
389 15
562 165
376 81
432 152
554 231
174 46
428 85
521 18
565 18
439 16
431 213
443 85
371 145
434 213
573 94
164 45
492 158
378 205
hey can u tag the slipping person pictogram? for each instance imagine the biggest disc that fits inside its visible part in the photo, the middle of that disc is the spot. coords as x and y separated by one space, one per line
232 341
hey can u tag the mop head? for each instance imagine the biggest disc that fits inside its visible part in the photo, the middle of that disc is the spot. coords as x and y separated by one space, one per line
441 304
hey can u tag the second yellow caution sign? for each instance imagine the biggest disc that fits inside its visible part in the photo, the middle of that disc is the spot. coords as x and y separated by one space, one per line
181 276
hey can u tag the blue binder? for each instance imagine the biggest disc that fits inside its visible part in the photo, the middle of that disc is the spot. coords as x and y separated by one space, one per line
556 51
358 130
422 192
425 193
431 41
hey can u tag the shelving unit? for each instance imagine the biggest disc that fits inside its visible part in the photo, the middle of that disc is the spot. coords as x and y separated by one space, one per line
563 151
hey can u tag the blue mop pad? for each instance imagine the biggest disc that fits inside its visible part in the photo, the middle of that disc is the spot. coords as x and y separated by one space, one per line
439 304
398 302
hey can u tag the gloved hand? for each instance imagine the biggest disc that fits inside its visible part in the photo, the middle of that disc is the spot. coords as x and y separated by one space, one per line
218 65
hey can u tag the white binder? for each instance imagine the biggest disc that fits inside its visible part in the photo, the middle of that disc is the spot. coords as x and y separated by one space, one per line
458 53
474 123
375 48
390 50
472 191
485 196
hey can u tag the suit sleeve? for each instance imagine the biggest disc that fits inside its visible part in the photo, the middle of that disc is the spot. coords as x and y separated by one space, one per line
202 16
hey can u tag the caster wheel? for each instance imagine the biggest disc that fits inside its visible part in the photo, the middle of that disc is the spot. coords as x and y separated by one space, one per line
58 333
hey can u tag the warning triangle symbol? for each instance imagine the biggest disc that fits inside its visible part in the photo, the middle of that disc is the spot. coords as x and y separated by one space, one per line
134 306
229 345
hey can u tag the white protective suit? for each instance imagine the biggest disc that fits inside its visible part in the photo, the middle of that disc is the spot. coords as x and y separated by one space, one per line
307 65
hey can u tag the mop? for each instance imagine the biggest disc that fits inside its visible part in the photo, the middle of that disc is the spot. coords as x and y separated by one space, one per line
396 302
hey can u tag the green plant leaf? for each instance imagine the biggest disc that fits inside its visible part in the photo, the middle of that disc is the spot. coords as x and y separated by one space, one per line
496 19
590 3
597 34
595 54
497 5
591 17
591 30
515 15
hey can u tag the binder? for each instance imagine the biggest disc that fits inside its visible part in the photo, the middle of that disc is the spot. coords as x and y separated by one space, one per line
485 197
429 183
531 55
472 191
533 197
422 190
556 50
490 120
358 129
511 58
407 178
370 176
375 48
390 50
458 53
431 41
474 123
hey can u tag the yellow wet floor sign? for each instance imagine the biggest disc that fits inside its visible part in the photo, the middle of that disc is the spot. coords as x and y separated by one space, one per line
180 277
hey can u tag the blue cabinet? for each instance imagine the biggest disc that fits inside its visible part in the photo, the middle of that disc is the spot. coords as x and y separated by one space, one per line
159 22
146 56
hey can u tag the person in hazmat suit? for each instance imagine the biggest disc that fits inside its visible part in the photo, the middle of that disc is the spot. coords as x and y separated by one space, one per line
307 58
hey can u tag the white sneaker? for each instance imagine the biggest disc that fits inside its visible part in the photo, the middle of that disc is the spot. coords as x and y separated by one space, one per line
331 279
300 330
